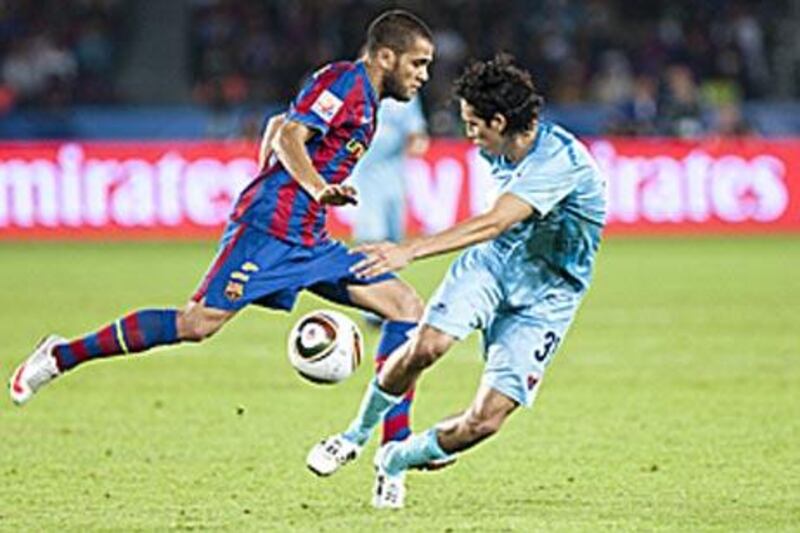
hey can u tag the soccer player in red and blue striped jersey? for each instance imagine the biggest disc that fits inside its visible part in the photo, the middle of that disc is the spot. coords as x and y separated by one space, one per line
275 244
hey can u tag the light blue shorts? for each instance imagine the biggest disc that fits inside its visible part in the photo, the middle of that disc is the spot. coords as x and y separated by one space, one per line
522 326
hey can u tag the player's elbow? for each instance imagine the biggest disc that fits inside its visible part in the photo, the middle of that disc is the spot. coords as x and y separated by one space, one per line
498 221
275 122
494 227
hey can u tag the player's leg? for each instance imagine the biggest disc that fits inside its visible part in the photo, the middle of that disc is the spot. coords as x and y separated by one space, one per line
398 376
135 332
401 308
518 346
140 331
197 322
438 445
467 295
465 299
404 366
517 349
485 416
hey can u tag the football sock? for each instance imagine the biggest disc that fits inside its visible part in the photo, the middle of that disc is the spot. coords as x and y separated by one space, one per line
135 332
396 422
418 450
374 405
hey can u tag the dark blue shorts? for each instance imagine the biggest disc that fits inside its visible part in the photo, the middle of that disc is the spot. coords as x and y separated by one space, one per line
254 267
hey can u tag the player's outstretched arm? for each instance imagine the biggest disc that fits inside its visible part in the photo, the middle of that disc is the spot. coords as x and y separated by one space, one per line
508 210
289 145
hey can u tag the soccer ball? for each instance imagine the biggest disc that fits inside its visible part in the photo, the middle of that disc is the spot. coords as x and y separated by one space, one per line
325 346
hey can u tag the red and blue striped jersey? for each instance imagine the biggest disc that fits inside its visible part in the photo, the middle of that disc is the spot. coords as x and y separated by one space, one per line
339 102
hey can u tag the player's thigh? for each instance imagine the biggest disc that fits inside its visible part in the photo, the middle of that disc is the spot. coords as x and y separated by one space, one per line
392 298
467 297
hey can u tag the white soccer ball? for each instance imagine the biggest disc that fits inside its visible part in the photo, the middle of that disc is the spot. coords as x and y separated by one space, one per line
325 346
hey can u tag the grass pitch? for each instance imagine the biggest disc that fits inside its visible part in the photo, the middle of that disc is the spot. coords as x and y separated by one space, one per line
674 404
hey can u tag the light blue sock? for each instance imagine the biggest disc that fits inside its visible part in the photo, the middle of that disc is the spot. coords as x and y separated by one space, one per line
418 450
374 405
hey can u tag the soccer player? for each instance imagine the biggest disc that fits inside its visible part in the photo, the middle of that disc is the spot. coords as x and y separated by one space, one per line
275 244
527 265
379 176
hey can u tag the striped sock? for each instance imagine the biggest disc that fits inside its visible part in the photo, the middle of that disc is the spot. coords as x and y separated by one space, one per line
396 423
136 332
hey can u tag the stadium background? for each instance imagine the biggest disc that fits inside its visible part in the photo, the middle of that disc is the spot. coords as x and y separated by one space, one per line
673 403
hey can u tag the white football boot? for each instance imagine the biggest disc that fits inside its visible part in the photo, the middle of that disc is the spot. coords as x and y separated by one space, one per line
38 370
389 491
331 454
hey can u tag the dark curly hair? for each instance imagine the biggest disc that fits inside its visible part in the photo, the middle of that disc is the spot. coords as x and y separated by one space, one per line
499 85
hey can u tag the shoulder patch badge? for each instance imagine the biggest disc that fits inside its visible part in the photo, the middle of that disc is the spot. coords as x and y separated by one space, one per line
326 106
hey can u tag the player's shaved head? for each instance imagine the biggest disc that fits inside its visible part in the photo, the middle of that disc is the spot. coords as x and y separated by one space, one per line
500 86
397 30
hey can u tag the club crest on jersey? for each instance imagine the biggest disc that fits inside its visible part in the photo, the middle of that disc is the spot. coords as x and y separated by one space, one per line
326 106
356 148
234 290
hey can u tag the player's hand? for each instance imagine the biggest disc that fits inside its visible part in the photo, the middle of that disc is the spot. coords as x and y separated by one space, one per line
381 258
338 195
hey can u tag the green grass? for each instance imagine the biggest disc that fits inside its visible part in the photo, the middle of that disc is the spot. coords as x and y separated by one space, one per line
673 405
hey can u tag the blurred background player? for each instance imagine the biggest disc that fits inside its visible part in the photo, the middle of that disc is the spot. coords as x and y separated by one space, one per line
527 265
275 244
380 175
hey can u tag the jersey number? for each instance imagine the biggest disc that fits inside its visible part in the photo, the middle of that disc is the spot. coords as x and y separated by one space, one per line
551 341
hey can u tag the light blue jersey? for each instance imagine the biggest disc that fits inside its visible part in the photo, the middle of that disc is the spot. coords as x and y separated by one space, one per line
561 181
379 175
523 288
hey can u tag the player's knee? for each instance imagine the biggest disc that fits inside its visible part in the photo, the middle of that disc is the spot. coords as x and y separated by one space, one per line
195 327
429 346
408 307
202 331
194 331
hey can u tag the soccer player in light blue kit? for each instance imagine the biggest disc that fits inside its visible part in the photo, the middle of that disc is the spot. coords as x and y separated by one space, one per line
527 265
379 175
